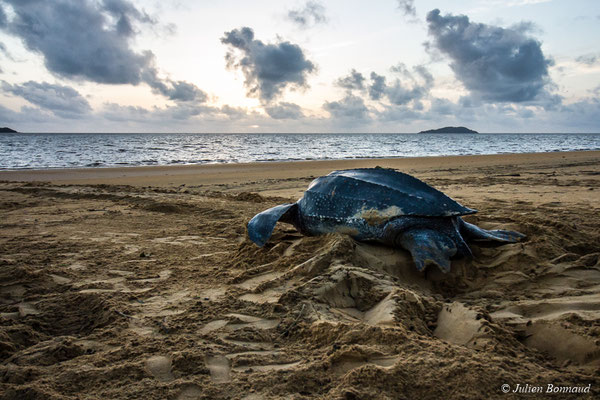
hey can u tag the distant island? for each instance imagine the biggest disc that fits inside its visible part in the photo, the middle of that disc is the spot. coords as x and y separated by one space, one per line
7 130
450 129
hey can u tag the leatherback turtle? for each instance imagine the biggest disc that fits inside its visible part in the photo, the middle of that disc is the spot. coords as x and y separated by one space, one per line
386 206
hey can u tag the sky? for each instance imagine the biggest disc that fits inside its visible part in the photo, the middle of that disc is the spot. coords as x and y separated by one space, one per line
268 66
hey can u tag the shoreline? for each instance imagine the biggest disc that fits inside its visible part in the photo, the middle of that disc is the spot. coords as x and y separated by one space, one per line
211 174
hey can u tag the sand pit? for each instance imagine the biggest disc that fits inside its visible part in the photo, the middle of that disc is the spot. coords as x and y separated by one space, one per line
112 291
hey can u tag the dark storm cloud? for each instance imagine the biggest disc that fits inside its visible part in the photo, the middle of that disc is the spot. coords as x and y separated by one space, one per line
350 107
268 68
79 40
285 110
90 40
495 64
63 101
407 7
312 13
354 81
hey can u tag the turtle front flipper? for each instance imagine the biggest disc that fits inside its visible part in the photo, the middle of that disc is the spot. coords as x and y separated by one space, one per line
429 247
261 226
474 233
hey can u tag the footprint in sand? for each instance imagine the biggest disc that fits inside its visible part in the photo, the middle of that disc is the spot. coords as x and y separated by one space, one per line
269 295
250 321
27 309
160 368
562 344
254 282
212 294
267 367
219 367
540 320
348 362
190 392
239 321
457 324
213 326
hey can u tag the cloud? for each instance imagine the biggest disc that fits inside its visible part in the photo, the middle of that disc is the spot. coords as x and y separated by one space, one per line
588 59
171 114
405 90
178 91
3 19
90 40
400 92
3 48
443 107
400 113
354 81
413 86
350 107
284 110
268 68
585 111
6 115
26 115
62 101
119 113
79 40
313 13
233 112
123 11
494 64
407 7
377 87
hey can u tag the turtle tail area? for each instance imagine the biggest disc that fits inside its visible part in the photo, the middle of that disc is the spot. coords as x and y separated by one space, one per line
429 247
474 233
261 225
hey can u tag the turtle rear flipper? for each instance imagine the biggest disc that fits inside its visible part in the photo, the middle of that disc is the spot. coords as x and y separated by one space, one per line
261 226
477 234
429 247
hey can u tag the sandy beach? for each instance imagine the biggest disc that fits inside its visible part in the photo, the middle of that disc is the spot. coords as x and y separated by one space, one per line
141 282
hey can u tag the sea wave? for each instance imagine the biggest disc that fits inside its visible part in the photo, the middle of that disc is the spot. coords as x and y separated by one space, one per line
46 150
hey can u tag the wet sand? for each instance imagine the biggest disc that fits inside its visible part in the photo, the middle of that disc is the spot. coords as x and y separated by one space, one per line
141 283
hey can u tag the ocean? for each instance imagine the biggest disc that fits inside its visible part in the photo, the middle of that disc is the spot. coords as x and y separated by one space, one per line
58 150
